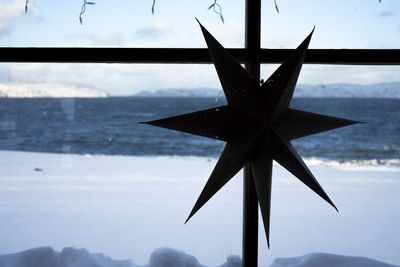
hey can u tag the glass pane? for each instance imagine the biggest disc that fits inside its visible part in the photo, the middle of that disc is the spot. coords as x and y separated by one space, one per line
82 172
338 24
358 166
119 24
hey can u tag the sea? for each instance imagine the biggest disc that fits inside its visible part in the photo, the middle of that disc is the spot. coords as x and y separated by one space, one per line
110 126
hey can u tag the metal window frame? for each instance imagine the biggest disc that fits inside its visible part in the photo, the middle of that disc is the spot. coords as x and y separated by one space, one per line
252 56
191 55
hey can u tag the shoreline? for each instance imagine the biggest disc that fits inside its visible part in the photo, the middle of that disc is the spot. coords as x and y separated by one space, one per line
381 164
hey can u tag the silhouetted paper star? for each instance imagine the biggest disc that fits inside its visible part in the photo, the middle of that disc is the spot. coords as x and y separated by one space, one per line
257 125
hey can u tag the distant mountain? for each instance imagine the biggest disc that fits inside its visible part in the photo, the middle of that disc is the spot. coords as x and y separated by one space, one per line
380 90
183 92
48 90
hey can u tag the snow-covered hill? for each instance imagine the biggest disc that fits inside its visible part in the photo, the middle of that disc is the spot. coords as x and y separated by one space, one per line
381 90
48 90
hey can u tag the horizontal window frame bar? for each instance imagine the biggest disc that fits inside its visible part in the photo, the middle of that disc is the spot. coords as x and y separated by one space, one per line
191 55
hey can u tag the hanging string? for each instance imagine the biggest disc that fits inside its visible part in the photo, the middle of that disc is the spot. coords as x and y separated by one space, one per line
217 9
276 6
215 6
152 7
83 10
26 6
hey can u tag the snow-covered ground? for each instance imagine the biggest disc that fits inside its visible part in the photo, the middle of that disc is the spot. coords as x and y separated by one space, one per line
48 90
126 207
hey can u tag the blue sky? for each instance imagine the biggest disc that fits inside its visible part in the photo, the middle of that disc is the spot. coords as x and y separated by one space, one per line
123 23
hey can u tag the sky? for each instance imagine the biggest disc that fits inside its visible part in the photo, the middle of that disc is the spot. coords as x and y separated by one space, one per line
123 23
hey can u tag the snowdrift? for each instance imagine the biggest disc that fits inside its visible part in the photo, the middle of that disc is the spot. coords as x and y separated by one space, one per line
166 257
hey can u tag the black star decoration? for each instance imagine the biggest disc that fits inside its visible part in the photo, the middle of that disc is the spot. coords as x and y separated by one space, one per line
257 125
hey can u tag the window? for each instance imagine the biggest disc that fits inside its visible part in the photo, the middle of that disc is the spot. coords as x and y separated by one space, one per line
74 176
